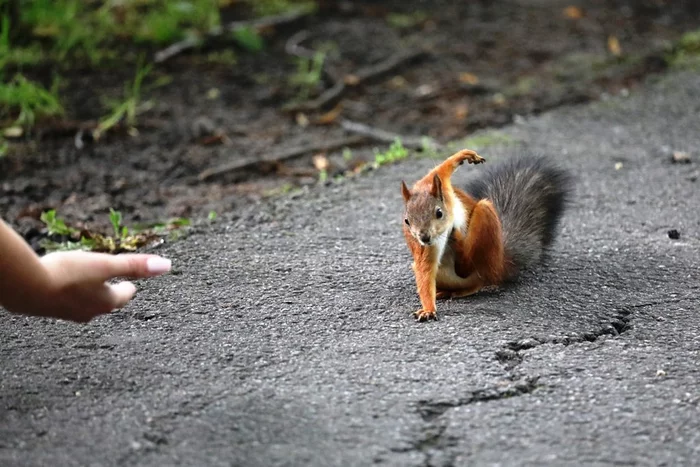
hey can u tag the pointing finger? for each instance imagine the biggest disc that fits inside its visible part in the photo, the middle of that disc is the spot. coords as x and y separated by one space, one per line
131 265
100 267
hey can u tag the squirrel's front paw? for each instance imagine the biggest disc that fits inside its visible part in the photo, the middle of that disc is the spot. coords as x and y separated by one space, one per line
468 155
425 315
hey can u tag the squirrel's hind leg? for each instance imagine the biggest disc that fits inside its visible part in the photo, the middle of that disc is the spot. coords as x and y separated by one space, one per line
456 287
481 250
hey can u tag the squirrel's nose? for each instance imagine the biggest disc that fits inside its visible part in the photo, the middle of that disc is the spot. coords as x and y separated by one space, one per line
425 238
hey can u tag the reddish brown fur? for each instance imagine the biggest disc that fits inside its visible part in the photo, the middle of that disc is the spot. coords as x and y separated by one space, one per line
481 251
478 254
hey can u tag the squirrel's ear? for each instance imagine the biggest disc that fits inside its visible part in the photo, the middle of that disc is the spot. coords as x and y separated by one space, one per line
436 191
405 191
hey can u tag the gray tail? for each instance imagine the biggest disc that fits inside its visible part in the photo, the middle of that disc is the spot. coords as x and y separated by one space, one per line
530 194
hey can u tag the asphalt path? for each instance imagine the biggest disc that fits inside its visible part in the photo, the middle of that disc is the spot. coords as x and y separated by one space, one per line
285 336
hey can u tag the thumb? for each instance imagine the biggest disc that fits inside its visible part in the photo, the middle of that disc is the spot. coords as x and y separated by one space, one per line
121 293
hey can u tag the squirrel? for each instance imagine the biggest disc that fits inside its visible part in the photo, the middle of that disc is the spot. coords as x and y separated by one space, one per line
500 224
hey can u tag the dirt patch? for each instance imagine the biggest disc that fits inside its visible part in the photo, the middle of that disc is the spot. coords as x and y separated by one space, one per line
482 64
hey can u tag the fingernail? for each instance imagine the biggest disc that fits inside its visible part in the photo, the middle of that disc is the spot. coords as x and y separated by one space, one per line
158 265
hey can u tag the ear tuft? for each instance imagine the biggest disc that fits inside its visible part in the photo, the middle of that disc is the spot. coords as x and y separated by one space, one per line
436 190
405 191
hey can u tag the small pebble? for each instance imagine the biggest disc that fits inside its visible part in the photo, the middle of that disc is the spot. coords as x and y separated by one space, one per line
202 126
674 234
680 157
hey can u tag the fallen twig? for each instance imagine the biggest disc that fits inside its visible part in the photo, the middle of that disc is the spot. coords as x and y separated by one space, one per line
281 156
256 24
176 48
66 128
377 134
270 21
331 95
293 45
382 68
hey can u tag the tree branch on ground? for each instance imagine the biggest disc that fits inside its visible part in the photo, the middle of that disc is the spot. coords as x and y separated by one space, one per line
383 136
257 24
280 156
331 95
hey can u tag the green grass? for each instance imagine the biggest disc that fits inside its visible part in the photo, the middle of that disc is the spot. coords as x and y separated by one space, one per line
686 52
308 75
75 33
80 29
56 225
19 56
483 140
123 239
396 152
275 7
129 107
406 20
25 101
248 38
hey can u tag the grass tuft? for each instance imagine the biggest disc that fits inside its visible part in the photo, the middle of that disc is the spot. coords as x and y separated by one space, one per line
26 100
128 108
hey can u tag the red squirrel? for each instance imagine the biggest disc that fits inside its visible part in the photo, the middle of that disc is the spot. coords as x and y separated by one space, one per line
464 240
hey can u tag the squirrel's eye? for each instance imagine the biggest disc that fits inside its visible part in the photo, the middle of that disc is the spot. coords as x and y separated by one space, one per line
406 221
438 213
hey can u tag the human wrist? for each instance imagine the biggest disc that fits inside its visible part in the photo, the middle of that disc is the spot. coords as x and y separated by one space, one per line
24 281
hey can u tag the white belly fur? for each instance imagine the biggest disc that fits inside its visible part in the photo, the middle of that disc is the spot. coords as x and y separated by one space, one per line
440 244
459 215
460 222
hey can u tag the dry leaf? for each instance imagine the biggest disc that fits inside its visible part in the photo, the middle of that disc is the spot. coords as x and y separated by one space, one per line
397 82
218 138
351 80
461 111
13 132
213 93
424 90
614 46
573 12
321 162
302 120
330 116
468 78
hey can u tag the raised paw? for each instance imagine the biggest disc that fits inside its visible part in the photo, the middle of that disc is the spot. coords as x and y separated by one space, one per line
425 315
469 156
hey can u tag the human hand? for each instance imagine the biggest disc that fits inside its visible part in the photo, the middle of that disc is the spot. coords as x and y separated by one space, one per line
77 288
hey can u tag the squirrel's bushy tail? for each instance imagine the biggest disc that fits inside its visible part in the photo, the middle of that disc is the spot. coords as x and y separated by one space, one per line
530 194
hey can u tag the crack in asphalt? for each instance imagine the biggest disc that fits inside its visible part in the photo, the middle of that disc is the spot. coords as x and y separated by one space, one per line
430 410
433 441
510 355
